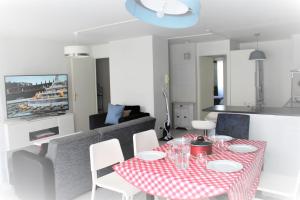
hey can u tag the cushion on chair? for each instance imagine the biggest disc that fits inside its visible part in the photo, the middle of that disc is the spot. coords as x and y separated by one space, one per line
203 125
234 125
114 113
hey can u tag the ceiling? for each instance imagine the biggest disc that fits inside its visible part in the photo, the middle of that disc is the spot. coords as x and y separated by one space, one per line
234 19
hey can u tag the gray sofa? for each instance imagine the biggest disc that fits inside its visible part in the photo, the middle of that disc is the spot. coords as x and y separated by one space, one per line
68 161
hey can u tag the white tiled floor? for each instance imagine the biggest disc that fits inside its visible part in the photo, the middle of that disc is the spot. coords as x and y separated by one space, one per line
103 194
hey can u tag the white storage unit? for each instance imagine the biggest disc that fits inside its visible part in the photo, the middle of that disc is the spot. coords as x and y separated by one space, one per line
17 131
183 114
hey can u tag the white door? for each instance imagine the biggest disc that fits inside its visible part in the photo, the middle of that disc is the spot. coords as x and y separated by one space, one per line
206 70
84 92
242 78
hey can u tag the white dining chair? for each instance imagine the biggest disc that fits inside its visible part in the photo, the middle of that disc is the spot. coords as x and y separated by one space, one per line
203 125
104 154
280 186
145 141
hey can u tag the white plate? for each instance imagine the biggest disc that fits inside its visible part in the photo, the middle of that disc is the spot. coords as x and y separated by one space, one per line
224 166
242 148
225 138
151 155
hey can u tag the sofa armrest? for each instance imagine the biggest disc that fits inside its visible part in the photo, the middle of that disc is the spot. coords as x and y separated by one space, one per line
133 116
33 176
97 120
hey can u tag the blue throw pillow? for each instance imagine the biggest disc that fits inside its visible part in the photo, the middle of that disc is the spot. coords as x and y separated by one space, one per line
114 113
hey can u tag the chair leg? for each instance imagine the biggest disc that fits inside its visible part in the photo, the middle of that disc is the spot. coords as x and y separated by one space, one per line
93 192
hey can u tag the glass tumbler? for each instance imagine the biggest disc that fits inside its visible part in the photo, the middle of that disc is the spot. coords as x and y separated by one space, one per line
201 159
182 148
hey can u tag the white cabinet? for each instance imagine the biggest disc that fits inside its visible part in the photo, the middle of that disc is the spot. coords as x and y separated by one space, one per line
183 114
18 132
242 78
83 90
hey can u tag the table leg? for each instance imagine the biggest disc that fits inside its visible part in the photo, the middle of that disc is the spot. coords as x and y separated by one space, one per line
149 197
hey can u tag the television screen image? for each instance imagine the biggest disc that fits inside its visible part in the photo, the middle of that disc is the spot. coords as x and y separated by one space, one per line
35 95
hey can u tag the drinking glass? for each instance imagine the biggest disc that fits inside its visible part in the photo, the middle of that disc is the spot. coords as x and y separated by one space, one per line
171 151
222 145
201 159
182 148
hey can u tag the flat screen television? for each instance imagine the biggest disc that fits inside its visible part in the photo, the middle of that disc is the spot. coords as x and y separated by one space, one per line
34 95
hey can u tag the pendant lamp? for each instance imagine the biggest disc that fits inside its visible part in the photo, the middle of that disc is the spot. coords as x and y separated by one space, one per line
257 54
165 13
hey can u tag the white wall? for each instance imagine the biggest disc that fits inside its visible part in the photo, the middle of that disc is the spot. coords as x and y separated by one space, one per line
100 51
26 57
183 73
161 69
278 132
296 51
277 68
131 72
216 48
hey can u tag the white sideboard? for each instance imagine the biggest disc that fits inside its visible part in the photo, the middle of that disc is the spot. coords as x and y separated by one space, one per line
183 114
15 134
17 131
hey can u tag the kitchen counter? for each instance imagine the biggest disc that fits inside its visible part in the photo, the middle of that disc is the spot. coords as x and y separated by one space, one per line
276 126
283 111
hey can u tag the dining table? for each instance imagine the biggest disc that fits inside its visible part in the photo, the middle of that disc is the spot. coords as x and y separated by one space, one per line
163 179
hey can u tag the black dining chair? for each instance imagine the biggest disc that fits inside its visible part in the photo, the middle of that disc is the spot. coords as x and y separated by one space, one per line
234 125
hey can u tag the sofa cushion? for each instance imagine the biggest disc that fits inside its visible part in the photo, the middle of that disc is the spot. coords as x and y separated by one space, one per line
114 113
126 113
71 161
134 109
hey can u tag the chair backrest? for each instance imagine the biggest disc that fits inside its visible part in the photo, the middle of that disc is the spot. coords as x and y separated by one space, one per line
145 141
234 125
104 154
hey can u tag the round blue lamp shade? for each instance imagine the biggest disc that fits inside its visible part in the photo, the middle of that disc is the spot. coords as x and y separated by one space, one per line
188 19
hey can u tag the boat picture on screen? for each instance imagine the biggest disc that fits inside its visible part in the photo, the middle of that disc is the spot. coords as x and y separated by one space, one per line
36 95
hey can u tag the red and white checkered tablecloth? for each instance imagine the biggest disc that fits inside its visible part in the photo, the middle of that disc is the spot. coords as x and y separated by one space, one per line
162 178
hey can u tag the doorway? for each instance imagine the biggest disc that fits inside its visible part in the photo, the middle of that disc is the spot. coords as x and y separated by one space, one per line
219 81
211 83
103 84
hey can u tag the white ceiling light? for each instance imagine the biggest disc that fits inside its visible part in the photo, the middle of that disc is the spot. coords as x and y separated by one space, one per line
170 7
165 13
79 51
